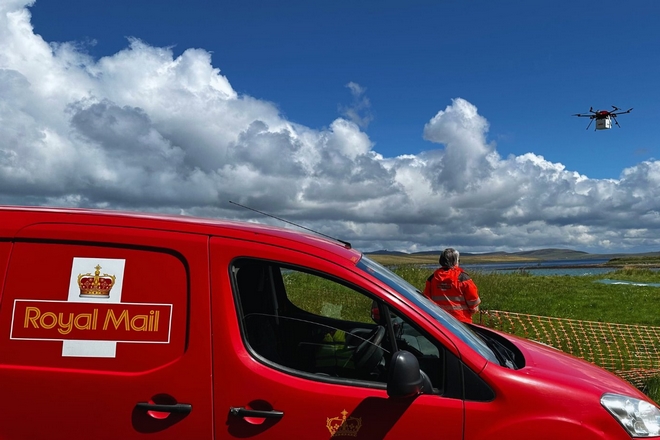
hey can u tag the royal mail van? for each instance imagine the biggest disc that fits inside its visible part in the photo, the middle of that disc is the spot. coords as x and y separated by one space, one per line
137 326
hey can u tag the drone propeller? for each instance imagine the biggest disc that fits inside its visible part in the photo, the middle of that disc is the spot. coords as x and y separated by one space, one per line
617 112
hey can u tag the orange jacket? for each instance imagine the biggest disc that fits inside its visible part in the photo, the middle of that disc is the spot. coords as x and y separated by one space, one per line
454 291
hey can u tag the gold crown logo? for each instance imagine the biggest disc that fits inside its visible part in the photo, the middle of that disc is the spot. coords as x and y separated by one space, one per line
343 426
97 285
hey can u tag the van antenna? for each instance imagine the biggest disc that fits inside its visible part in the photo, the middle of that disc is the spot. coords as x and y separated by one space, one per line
347 244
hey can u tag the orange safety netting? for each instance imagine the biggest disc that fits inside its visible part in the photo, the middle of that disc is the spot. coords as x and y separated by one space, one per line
630 351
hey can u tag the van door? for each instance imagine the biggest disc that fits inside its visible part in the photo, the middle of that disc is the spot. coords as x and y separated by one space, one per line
5 249
105 335
292 361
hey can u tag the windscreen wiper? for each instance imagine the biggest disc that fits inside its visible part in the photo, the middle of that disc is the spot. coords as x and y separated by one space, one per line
505 356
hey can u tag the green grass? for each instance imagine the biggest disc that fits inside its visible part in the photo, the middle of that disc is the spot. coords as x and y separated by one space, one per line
651 388
560 296
319 295
634 260
563 296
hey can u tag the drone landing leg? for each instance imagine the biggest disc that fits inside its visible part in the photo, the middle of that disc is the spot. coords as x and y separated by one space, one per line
590 122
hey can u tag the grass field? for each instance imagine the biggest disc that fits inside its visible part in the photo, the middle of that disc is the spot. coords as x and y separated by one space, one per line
561 296
636 261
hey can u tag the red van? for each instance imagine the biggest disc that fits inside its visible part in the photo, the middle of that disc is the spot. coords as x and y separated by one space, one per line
135 326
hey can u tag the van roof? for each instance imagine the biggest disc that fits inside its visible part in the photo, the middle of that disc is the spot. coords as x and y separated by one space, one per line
15 218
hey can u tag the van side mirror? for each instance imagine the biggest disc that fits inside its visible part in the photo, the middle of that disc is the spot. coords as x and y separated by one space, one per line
405 379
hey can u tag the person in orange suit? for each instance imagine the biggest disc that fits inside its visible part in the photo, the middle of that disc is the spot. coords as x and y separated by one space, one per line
452 288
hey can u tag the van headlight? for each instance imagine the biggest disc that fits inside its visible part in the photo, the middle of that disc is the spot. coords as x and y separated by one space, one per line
639 417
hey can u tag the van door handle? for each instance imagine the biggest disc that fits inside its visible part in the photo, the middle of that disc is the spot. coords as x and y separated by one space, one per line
242 412
178 408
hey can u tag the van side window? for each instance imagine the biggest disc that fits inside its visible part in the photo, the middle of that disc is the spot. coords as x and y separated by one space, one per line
315 325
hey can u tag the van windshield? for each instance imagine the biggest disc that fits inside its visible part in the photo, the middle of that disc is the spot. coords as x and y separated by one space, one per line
462 331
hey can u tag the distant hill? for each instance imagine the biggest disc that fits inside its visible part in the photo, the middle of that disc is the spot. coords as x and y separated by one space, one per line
384 252
539 254
555 254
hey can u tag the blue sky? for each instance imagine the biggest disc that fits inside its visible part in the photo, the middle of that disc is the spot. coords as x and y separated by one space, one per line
526 65
399 125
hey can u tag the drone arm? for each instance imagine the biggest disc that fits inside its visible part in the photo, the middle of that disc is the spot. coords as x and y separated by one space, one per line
614 113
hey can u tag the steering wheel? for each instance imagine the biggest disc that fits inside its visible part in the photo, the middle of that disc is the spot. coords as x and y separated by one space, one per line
369 353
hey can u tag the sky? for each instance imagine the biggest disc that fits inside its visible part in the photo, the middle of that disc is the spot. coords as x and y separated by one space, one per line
407 126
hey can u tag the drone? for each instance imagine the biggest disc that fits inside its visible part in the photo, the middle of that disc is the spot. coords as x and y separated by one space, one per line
603 118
